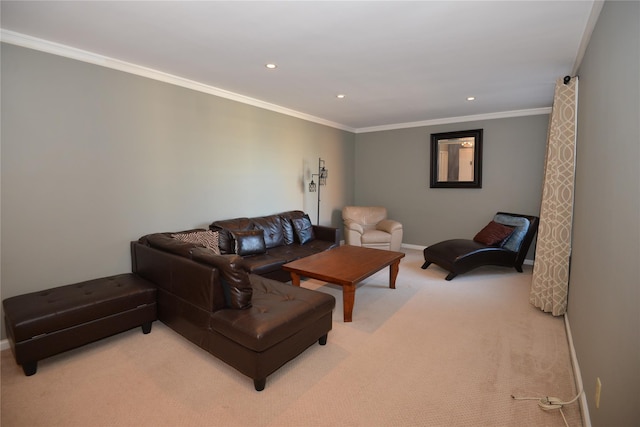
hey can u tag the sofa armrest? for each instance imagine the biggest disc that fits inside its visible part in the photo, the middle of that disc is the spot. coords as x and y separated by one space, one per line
329 234
351 225
388 225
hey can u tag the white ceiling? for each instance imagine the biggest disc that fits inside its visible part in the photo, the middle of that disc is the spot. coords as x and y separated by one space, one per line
397 62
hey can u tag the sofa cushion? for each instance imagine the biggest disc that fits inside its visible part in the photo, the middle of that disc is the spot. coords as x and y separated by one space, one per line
279 312
235 280
206 238
273 232
165 242
521 225
263 263
287 225
493 234
225 228
249 242
303 229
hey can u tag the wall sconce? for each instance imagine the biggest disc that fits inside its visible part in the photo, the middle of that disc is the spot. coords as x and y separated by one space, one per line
322 175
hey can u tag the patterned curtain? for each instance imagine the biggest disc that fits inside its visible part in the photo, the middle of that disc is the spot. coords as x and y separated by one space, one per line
550 282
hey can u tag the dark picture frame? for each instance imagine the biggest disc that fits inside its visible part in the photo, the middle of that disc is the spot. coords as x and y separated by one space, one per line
456 159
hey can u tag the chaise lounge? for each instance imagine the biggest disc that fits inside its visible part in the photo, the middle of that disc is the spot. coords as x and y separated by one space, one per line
505 241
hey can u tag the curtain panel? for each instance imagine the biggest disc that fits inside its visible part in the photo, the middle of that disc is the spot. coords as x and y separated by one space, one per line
550 281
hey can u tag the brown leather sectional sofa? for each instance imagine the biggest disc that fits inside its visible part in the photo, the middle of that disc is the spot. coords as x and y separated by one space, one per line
281 242
229 304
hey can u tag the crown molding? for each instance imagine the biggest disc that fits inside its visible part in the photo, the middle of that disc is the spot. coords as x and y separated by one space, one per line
460 119
46 46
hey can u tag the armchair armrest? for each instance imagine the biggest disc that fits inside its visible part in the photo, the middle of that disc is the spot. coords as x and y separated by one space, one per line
388 225
351 225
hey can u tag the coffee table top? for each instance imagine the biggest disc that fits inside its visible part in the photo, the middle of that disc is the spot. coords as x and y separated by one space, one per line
344 265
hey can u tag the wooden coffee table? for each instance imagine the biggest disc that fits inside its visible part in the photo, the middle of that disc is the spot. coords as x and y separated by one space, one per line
346 266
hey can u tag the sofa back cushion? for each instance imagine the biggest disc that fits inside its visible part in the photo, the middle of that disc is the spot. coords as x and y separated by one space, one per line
165 242
235 280
225 227
273 231
287 225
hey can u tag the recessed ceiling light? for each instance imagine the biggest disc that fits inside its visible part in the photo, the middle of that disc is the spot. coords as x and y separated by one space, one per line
271 66
471 98
341 96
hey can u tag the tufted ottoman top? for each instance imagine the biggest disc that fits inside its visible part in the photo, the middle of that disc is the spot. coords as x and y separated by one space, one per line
43 312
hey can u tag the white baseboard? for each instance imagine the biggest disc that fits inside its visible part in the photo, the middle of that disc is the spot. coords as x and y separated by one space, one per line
4 345
586 419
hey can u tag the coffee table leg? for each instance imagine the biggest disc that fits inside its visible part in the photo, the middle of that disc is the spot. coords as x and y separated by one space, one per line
295 279
393 274
348 299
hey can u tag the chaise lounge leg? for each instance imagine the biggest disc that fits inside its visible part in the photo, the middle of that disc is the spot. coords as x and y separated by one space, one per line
30 368
450 276
426 264
260 384
518 268
323 339
146 327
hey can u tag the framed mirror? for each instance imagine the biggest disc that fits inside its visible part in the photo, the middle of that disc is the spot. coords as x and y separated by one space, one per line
456 159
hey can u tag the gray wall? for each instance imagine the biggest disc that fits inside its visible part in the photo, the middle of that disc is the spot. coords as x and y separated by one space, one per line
604 291
392 170
93 158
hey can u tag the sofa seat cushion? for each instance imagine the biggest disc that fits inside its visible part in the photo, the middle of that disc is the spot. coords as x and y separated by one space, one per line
263 263
279 311
313 247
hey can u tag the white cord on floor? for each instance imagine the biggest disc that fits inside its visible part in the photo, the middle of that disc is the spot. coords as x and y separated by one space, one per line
550 403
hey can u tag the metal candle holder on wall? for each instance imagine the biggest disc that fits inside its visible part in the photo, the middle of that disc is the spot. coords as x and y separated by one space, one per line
322 180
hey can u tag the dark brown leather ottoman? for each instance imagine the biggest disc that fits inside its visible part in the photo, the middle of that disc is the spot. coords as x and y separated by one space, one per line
42 324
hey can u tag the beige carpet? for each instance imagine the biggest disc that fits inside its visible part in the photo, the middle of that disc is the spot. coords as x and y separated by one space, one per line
429 353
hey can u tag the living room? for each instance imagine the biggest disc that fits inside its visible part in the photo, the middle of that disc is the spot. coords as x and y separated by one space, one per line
93 158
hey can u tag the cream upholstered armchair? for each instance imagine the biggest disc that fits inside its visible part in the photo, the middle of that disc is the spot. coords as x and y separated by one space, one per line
369 226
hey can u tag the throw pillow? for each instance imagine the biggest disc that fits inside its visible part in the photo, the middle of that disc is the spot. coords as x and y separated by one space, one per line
209 239
249 242
521 225
303 229
235 280
493 234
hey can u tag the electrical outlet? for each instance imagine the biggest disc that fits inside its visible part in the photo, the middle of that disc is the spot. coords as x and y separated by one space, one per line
598 391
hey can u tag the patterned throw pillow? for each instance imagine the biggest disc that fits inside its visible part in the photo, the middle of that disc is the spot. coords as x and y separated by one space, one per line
493 234
209 239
